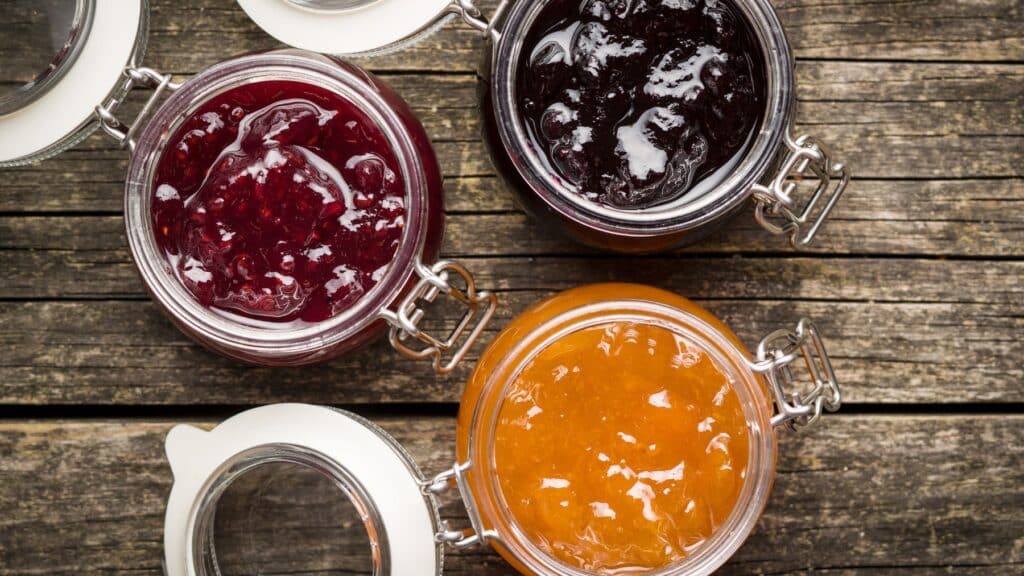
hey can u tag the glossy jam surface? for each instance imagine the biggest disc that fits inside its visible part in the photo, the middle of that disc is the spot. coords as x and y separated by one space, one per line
279 201
639 102
620 448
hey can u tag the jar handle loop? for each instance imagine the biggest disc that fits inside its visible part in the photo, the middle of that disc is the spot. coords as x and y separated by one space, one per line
472 15
775 355
479 308
776 209
141 78
440 484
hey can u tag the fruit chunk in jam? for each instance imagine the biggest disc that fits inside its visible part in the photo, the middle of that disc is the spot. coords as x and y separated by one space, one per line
635 102
621 448
279 201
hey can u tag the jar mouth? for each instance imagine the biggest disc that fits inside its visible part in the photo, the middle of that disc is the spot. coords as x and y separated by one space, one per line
728 537
689 211
236 333
203 555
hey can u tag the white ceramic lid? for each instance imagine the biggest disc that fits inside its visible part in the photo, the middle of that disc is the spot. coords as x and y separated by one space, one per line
63 114
385 473
346 27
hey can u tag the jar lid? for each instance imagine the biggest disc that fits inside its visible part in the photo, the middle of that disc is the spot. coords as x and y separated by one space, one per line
360 457
63 59
347 27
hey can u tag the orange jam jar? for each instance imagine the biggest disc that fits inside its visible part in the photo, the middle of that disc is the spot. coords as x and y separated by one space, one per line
620 429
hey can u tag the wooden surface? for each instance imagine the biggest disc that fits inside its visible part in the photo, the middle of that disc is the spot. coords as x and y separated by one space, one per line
918 284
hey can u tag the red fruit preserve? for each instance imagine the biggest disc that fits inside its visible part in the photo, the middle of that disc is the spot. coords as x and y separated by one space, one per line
279 201
636 102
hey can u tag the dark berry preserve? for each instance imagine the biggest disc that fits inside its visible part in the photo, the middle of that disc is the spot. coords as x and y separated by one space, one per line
279 201
640 102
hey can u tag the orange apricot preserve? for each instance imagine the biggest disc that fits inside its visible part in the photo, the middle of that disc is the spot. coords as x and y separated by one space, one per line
617 429
621 446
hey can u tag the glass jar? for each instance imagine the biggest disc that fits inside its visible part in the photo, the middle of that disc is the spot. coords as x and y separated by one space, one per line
767 172
413 277
402 519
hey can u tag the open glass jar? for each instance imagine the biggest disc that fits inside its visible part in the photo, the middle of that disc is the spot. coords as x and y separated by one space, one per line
257 142
515 398
773 161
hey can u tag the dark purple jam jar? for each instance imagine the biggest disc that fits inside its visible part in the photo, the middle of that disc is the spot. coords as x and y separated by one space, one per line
642 125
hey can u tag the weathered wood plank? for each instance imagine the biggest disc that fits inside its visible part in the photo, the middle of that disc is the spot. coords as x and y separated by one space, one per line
936 353
857 495
887 120
951 217
88 273
50 255
922 30
926 30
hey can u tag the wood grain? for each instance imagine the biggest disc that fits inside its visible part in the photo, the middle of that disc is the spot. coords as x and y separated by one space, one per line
886 120
935 30
972 218
928 352
857 495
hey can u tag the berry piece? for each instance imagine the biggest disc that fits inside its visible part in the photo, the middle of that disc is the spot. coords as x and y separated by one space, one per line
601 55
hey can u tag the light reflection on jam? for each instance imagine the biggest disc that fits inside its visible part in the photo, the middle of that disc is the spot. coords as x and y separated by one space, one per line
279 201
636 102
621 448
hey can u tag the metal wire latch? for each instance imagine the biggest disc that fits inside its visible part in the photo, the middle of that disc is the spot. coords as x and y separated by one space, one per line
435 280
136 77
472 15
775 356
465 538
776 208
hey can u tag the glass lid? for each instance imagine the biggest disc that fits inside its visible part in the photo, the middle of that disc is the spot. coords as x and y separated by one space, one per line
293 488
347 27
61 58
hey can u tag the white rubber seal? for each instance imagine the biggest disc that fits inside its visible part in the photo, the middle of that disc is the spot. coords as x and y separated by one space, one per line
68 106
196 457
364 29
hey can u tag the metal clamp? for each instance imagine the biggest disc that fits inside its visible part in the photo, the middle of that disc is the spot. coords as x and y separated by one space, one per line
776 208
136 78
775 356
472 15
465 538
480 307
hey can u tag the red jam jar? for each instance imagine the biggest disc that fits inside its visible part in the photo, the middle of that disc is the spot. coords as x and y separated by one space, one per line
284 208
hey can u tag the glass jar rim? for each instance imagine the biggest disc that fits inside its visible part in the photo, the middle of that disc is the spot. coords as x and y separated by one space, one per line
201 541
233 332
673 216
80 25
488 496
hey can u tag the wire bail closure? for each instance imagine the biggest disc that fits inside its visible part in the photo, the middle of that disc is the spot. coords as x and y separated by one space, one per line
775 356
479 309
136 77
776 209
472 15
474 535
